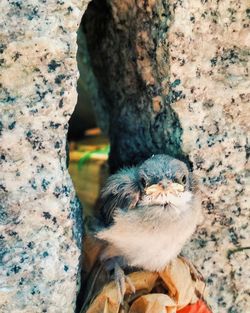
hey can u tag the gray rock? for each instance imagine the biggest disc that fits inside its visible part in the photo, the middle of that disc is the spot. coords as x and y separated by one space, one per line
40 219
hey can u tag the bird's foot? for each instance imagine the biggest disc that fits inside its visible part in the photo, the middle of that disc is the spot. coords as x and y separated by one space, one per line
116 265
121 279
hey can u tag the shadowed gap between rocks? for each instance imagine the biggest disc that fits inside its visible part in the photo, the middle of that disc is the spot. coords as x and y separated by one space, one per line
128 79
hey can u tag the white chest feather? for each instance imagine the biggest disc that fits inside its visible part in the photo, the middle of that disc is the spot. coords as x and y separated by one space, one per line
150 237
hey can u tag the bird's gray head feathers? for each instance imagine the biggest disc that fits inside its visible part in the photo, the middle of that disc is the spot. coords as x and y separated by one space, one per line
120 191
129 187
164 167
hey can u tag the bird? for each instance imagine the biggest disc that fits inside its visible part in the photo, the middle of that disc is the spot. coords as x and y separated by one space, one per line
146 214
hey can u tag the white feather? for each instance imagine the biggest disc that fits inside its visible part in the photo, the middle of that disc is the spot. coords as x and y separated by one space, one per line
151 236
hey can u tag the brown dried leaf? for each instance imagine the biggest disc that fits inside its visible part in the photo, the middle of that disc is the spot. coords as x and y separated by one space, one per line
182 285
178 279
92 248
153 303
107 300
143 280
104 304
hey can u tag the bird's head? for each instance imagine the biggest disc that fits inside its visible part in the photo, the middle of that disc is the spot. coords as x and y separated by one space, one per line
164 181
160 181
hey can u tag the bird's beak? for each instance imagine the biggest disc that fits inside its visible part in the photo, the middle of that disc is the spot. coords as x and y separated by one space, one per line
164 187
153 189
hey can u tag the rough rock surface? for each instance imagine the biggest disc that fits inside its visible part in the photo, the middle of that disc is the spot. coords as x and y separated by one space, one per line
175 77
40 218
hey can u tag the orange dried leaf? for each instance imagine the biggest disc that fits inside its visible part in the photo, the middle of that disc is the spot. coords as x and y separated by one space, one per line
198 307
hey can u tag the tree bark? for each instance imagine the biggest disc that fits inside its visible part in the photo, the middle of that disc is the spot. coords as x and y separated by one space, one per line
128 45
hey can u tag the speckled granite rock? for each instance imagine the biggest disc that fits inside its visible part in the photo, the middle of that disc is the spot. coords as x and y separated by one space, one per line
175 75
40 218
210 56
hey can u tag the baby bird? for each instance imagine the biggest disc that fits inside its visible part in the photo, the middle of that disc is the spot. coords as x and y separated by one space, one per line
149 211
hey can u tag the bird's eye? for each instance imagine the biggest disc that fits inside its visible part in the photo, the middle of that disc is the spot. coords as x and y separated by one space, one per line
143 182
184 179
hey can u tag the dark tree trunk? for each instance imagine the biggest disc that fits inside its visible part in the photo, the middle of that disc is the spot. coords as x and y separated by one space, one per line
127 48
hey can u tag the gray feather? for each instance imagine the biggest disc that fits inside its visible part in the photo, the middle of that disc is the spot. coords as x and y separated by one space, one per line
121 191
